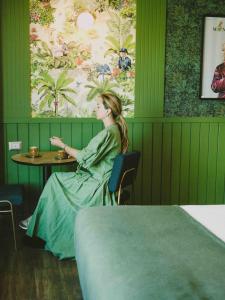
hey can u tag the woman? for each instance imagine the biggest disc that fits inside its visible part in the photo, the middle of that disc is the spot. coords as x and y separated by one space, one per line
218 82
66 193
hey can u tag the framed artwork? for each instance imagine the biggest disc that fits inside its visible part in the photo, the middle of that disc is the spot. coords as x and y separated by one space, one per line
213 58
80 48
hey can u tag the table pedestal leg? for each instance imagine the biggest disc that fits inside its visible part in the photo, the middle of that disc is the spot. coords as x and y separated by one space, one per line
46 173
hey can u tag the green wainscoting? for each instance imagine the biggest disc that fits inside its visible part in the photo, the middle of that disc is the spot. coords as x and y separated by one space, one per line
181 161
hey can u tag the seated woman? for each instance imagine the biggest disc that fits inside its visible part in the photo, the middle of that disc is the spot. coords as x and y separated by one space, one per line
66 193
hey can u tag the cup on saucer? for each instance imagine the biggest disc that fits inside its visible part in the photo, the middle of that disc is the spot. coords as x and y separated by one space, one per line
61 154
33 151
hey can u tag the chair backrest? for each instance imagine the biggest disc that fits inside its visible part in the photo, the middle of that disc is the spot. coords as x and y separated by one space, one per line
12 193
124 163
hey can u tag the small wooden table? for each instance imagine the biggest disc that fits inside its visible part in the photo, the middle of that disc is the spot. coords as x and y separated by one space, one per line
46 159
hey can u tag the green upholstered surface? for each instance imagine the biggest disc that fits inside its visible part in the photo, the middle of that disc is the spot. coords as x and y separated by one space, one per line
147 252
12 193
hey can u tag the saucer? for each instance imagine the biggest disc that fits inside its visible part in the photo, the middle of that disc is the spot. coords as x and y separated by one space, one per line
60 158
31 156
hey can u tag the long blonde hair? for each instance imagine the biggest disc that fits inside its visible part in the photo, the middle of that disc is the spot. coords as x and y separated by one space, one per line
113 102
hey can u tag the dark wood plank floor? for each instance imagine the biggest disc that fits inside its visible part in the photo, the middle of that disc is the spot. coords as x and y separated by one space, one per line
31 273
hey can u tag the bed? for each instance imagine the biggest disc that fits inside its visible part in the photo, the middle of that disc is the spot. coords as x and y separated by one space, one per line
151 252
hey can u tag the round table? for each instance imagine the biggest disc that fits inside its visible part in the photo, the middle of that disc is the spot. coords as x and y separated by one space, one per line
47 159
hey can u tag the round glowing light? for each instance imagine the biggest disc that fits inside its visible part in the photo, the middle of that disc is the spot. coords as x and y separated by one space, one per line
85 20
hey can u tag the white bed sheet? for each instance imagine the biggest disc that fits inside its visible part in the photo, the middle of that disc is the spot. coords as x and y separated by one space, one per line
210 216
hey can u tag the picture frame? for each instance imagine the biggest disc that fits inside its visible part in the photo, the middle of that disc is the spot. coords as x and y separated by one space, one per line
213 59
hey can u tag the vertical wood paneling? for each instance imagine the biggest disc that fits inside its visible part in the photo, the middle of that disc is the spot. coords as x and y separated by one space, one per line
15 59
55 130
212 163
193 162
5 158
175 160
166 164
76 135
137 142
181 163
87 133
2 150
45 134
184 163
147 163
203 163
130 136
220 163
34 140
23 135
11 167
156 163
150 53
65 133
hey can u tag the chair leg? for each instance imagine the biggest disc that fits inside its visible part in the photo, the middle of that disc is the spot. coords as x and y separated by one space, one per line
13 226
10 210
119 195
12 217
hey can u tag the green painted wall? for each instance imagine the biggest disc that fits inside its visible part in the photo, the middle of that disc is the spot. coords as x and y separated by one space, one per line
183 159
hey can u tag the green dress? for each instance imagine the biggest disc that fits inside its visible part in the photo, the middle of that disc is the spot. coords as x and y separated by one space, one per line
66 193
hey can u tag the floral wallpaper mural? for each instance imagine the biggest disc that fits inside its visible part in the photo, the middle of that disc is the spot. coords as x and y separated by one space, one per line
80 48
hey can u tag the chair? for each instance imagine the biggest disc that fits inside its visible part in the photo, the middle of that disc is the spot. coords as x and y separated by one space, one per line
11 194
124 172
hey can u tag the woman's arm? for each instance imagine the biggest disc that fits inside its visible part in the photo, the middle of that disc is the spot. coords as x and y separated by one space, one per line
56 141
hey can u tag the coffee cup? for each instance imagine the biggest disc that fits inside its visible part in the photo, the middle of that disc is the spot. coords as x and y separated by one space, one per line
61 154
33 151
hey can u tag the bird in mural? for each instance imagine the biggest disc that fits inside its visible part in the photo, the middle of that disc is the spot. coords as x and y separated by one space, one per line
103 70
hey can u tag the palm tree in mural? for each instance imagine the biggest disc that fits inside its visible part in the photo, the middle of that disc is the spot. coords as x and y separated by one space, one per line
99 87
55 91
120 36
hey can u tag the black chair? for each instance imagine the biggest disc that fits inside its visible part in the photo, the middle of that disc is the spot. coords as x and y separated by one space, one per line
11 194
123 173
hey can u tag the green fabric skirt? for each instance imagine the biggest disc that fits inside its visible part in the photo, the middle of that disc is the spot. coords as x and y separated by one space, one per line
63 196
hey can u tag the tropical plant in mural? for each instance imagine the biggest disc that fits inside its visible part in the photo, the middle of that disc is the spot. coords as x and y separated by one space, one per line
76 54
119 36
99 87
55 92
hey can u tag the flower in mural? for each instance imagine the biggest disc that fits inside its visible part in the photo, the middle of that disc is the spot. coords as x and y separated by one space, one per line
41 12
79 42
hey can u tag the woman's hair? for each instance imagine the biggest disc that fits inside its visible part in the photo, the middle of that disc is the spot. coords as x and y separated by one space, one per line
113 102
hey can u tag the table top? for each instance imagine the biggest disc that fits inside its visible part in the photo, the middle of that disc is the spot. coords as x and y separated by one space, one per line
46 158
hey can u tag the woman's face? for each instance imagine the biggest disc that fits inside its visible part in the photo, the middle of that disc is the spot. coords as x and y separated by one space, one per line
100 110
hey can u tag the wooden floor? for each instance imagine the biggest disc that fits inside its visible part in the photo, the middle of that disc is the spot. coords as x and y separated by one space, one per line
31 273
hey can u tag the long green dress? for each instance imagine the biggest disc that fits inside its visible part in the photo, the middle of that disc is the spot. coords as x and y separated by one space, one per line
66 193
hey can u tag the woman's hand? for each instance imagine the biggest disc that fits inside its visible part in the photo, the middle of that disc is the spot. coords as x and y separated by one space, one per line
56 141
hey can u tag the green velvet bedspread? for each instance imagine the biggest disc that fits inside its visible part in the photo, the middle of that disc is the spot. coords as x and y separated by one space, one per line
147 253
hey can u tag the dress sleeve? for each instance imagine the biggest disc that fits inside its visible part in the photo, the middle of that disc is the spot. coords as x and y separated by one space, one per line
96 150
